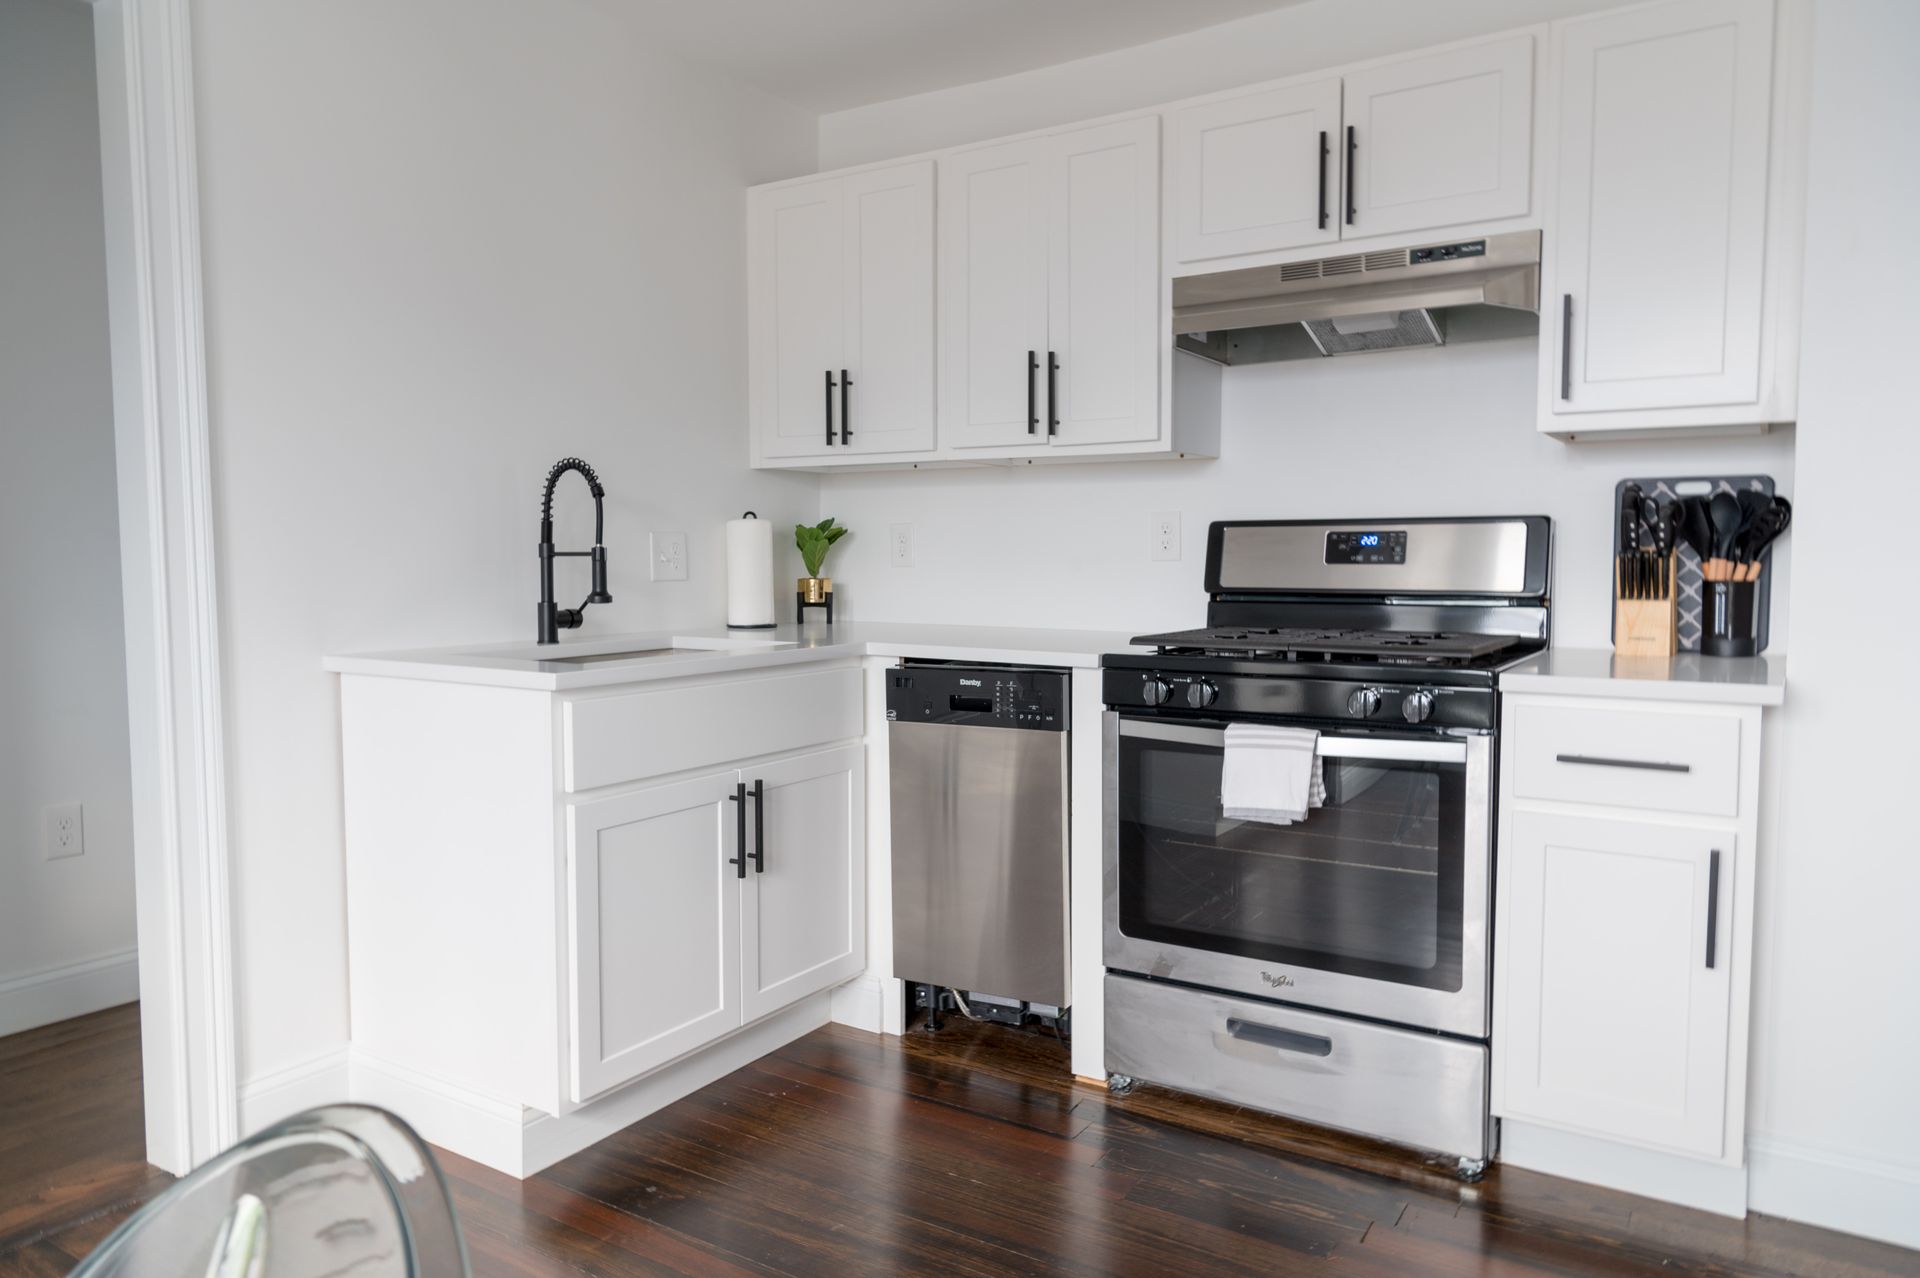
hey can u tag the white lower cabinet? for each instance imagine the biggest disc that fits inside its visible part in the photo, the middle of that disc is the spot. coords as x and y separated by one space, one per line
699 906
1618 983
1623 932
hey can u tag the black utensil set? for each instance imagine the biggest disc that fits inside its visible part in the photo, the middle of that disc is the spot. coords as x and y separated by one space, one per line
1728 531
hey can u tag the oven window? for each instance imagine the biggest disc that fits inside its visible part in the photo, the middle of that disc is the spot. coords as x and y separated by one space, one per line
1369 885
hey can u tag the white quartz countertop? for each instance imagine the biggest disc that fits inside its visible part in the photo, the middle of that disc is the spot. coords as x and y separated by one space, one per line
1601 672
717 650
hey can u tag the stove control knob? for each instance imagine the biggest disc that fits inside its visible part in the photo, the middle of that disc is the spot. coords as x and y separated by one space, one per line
1417 707
1201 694
1156 691
1363 703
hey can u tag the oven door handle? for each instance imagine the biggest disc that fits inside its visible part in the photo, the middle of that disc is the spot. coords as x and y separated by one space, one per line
1388 749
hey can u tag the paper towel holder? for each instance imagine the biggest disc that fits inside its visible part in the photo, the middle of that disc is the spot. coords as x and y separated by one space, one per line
757 625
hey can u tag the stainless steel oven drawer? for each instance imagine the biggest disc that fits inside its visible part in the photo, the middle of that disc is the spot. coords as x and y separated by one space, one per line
1417 1089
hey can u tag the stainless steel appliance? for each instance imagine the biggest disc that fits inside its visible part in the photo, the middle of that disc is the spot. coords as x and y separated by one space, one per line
1335 969
978 756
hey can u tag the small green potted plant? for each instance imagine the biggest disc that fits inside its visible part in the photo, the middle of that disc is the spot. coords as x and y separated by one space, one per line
814 540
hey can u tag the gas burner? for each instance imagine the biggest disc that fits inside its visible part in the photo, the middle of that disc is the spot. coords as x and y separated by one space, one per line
1299 643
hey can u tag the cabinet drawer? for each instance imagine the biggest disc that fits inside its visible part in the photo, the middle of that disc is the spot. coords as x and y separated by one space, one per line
631 736
1679 761
1419 1089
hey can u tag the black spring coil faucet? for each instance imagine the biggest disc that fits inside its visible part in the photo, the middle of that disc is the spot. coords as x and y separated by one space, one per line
552 619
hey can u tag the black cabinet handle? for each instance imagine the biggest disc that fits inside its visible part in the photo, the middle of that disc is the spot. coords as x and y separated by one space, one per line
1643 765
1566 346
1033 411
1353 145
1323 179
1053 394
759 830
1713 906
829 408
739 800
1273 1036
846 411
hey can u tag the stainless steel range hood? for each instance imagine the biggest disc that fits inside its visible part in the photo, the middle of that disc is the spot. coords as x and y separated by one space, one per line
1426 295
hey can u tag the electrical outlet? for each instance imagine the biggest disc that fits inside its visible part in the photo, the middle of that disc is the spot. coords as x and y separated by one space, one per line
668 556
66 833
1166 537
900 537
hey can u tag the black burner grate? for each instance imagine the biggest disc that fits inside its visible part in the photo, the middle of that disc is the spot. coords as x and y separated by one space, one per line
1295 643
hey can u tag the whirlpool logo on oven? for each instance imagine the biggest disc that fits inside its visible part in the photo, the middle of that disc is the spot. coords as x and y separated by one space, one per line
1277 980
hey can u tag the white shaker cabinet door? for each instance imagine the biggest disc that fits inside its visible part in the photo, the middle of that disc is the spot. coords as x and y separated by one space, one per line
1105 341
803 908
1438 141
888 405
654 906
1657 226
1256 173
993 294
797 321
1617 963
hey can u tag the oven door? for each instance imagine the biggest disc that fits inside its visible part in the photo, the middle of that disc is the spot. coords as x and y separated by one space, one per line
1375 904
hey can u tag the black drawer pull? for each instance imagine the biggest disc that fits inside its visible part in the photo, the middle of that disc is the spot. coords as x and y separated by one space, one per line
829 409
1273 1036
1566 346
759 829
1323 179
846 411
1033 412
1642 765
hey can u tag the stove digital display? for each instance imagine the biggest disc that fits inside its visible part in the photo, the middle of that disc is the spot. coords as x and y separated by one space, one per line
1344 547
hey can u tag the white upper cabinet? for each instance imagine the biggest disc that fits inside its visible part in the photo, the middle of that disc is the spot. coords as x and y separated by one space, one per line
1256 173
840 315
1618 964
993 294
1438 141
1654 306
1050 332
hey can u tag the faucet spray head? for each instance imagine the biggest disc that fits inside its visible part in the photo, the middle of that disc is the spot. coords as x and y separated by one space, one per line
599 594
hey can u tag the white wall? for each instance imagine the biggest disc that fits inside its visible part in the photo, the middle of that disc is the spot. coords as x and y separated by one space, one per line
447 243
63 707
1835 1110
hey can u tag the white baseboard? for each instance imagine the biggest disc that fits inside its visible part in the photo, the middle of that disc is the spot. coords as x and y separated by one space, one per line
1835 1191
858 1004
319 1080
66 990
1672 1178
519 1141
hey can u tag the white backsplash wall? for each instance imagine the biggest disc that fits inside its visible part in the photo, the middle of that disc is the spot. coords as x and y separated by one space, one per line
1448 431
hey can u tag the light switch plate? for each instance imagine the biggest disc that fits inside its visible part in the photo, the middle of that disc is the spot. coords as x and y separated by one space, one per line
900 539
1165 546
66 833
668 556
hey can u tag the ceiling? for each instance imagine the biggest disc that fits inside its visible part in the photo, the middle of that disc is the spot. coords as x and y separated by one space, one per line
829 55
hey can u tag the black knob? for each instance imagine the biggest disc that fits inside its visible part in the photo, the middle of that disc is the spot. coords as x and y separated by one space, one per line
1156 691
1201 694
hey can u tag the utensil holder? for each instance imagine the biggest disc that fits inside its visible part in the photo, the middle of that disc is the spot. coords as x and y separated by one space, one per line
1645 627
1727 619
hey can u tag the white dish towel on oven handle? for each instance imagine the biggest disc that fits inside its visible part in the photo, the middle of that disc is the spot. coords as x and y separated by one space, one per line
1270 773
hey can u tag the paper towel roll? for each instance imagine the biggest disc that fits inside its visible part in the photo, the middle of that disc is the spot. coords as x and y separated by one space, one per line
749 572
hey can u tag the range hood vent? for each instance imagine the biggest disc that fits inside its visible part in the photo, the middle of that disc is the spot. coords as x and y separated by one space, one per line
1391 299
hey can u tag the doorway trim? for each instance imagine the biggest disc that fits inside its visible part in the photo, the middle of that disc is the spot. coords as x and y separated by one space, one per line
150 181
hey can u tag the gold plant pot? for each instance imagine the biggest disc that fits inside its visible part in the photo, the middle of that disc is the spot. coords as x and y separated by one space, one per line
815 590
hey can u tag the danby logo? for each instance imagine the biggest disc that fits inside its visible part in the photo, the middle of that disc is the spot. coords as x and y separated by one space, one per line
969 683
1277 980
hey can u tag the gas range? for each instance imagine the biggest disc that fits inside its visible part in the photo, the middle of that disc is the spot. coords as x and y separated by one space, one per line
1360 933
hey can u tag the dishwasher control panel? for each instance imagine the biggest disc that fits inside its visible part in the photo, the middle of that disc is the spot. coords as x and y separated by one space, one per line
983 696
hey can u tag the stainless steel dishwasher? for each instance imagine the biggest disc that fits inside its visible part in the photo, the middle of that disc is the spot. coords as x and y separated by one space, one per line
979 785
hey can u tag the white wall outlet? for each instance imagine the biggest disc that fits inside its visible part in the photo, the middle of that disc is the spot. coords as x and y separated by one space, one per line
668 556
66 833
1166 537
900 538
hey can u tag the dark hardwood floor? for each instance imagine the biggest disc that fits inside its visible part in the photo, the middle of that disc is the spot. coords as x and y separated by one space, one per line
969 1153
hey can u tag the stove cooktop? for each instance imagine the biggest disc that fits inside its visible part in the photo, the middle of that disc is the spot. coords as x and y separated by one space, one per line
1297 643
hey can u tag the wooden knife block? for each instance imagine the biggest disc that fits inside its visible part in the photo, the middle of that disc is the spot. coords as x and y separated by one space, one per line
1645 627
